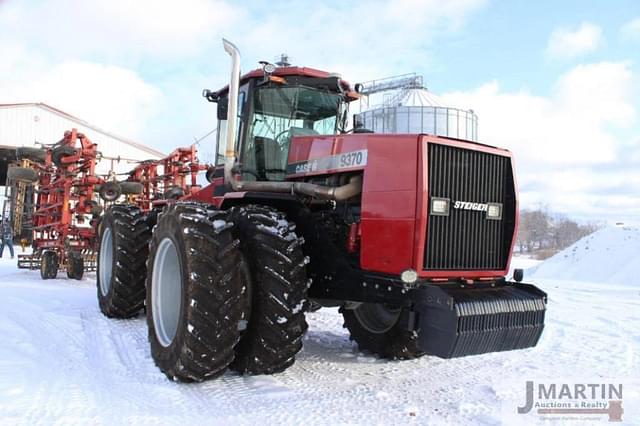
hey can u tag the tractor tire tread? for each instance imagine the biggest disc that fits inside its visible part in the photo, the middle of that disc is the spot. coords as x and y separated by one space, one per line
277 322
131 238
208 331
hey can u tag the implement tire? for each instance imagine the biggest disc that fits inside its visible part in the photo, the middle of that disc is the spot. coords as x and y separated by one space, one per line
24 174
174 193
123 249
131 188
75 266
194 292
110 191
377 328
49 265
278 292
34 154
59 152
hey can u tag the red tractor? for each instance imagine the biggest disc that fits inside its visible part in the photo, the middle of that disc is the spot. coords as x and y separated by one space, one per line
410 235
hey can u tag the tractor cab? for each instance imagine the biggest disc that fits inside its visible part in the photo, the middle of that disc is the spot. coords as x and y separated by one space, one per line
275 104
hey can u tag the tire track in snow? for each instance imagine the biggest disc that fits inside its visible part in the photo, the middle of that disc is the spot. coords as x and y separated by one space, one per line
70 364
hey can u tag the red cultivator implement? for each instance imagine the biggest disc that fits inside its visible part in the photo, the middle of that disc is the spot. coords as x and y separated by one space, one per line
65 216
64 219
169 178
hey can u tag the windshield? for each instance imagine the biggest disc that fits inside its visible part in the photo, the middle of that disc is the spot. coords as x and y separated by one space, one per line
280 113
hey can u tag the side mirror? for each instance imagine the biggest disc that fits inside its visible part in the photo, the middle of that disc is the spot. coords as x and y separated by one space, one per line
210 96
223 106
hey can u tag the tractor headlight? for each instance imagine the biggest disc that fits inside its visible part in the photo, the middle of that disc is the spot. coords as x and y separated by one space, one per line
409 276
439 206
269 68
494 211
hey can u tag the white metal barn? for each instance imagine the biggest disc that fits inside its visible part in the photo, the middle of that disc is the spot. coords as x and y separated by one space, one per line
29 124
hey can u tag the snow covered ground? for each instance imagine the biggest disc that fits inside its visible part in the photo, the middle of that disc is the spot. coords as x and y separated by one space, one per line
610 255
62 362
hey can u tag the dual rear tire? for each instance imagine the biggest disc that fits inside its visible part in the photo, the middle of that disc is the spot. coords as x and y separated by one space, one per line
122 256
277 299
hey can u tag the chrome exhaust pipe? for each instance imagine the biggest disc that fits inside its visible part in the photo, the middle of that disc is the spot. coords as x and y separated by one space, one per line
232 112
322 192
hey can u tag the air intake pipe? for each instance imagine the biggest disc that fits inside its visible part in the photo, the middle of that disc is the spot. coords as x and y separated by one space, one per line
340 193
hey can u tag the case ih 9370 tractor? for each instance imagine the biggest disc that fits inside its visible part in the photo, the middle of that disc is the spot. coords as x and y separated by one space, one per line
410 235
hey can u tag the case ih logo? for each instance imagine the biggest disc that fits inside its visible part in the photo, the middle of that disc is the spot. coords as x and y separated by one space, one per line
466 205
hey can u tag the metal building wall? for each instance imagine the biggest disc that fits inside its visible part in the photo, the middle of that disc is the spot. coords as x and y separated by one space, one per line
24 125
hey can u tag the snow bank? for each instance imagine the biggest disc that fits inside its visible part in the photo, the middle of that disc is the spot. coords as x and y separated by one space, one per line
610 255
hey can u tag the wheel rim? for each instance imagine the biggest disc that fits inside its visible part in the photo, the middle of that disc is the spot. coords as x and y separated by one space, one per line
376 317
166 292
106 260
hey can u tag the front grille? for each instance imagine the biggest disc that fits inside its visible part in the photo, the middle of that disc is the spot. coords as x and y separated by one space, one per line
466 239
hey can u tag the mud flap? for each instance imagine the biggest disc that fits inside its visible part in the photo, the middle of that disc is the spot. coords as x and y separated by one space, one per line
455 320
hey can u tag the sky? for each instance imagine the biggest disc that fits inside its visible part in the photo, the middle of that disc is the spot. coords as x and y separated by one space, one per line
556 82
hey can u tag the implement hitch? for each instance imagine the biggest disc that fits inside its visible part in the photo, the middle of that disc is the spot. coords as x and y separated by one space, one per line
456 320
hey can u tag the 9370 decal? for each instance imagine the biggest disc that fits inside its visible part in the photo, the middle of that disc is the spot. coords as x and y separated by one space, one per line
345 160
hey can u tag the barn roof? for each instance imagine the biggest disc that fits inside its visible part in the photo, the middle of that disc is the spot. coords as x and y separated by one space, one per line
84 123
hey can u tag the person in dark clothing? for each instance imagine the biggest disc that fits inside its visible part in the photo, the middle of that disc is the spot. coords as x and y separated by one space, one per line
6 234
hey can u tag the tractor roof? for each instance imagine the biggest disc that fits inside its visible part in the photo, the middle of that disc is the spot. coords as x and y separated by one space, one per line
297 72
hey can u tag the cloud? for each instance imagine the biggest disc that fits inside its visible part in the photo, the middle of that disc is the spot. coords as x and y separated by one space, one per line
631 30
568 43
351 37
111 97
173 48
131 33
567 145
117 29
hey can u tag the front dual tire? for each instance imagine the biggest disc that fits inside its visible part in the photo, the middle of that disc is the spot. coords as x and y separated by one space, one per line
195 292
225 289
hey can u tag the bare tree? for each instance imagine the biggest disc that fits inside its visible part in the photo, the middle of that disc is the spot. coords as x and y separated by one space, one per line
541 230
534 229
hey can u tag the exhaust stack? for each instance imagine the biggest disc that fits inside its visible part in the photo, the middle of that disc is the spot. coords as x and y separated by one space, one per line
232 111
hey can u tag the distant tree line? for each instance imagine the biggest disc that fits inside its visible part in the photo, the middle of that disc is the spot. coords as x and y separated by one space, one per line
544 233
